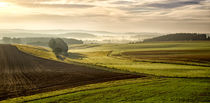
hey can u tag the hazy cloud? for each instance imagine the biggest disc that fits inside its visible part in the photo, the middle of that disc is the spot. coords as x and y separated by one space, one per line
27 1
56 5
149 15
47 4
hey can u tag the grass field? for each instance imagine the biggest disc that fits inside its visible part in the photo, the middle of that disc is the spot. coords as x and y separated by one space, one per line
144 90
174 59
189 60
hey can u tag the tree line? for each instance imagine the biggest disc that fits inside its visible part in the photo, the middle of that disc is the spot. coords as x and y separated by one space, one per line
40 41
180 37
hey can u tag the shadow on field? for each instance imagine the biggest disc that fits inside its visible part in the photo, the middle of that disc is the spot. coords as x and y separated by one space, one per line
76 56
60 57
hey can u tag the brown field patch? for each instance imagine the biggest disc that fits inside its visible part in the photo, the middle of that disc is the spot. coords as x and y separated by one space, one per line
200 56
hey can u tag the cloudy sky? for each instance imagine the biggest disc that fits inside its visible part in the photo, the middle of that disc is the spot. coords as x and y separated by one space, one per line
107 15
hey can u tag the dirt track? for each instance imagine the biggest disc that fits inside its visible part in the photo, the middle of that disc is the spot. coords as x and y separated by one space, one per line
23 74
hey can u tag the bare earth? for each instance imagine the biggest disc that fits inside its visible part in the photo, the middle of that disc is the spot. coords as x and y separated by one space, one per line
23 74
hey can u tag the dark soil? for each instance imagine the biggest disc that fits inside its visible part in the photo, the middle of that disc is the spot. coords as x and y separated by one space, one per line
22 74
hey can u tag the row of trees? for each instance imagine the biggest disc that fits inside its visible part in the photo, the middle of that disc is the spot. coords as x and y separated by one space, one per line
180 37
11 40
39 41
44 41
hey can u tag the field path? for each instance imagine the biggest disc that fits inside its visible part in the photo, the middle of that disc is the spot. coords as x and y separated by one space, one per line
23 74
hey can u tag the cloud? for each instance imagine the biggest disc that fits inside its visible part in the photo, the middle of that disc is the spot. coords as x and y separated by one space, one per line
163 6
63 1
27 1
173 4
123 2
47 4
56 5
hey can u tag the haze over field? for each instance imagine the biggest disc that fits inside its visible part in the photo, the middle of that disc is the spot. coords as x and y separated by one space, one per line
107 51
85 35
107 15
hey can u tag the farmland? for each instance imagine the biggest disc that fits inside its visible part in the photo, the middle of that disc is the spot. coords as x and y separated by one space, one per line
104 51
174 59
24 74
175 72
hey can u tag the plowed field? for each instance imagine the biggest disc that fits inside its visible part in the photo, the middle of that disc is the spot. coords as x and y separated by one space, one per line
23 74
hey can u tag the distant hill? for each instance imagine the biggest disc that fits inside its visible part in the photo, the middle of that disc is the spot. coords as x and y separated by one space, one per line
179 37
77 35
21 35
53 31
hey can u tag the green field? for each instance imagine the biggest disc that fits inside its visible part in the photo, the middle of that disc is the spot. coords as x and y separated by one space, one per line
174 59
145 90
164 61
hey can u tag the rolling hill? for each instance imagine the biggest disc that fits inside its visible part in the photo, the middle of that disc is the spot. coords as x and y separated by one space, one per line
23 74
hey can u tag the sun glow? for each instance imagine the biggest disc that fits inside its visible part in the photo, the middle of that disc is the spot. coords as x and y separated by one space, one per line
3 4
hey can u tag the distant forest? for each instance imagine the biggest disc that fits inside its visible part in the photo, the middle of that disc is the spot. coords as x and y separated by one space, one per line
180 37
37 41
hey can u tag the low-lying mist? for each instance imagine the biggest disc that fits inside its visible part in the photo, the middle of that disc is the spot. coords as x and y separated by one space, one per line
86 36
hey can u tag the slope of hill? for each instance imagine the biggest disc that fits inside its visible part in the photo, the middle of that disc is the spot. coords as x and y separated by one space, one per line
24 74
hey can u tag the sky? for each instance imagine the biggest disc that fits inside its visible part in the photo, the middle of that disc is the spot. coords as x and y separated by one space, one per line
107 15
